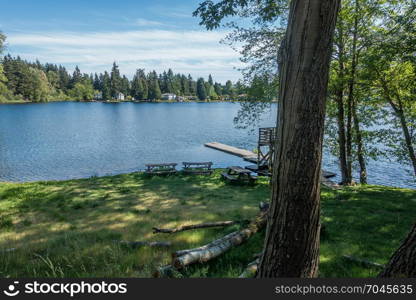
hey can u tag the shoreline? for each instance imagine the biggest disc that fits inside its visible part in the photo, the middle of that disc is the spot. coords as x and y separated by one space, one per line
142 172
130 101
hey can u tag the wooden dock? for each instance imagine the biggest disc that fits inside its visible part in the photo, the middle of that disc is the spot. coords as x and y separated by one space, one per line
232 150
251 156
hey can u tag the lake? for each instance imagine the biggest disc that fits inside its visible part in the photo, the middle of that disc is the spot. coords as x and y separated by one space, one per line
65 140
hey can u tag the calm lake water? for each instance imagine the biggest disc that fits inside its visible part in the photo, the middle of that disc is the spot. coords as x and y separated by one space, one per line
66 140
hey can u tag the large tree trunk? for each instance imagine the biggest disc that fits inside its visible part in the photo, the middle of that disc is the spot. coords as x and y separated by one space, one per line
403 261
292 238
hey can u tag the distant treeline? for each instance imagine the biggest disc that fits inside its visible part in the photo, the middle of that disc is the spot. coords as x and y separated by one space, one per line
45 82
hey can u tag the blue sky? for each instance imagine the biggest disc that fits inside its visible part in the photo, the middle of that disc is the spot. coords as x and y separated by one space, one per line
158 34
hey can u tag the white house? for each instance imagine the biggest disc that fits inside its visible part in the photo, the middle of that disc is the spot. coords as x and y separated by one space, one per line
120 96
168 96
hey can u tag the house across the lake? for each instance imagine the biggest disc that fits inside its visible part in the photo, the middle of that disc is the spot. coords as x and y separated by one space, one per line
168 96
120 96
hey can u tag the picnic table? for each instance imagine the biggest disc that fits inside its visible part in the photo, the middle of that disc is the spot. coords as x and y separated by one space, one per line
200 168
239 175
161 169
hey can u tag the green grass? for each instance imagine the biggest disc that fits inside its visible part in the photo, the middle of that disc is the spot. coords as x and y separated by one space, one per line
68 228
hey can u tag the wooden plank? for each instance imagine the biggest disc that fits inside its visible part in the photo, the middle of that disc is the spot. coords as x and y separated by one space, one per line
230 149
239 170
161 172
229 177
208 163
197 172
162 165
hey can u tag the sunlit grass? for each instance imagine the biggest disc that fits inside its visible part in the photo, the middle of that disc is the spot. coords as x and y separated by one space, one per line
70 228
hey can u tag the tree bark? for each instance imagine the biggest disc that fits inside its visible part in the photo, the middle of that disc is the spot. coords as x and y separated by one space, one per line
360 146
292 238
198 226
183 258
345 175
352 100
349 138
403 261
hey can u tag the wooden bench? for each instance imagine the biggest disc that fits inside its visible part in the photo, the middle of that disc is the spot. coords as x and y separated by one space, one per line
161 169
239 175
198 168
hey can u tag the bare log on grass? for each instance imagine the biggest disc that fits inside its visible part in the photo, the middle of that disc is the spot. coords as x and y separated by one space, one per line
207 252
147 244
251 269
363 261
197 226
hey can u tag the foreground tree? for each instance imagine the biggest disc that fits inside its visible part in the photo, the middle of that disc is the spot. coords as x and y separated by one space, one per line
403 262
292 237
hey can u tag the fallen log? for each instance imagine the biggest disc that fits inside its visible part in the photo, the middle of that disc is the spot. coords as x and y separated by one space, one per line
139 244
183 258
363 261
251 269
197 226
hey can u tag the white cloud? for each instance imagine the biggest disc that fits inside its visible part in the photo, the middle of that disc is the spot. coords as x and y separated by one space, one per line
145 22
195 52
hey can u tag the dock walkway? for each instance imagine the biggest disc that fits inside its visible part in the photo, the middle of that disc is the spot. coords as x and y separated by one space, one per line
232 150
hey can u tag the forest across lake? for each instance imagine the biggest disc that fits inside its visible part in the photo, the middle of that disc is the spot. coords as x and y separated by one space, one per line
63 140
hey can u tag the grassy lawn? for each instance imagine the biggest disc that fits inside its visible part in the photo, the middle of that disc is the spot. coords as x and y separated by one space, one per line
69 228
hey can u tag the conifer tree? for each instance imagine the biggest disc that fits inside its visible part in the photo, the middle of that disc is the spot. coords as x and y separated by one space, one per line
201 90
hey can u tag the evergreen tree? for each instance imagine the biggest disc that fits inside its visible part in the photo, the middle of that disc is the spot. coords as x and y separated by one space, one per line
64 78
97 83
169 83
106 86
191 85
139 89
154 89
116 81
218 89
125 85
200 89
228 89
76 77
210 81
184 86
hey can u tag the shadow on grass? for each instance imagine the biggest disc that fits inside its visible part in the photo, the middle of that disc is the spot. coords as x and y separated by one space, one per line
77 221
